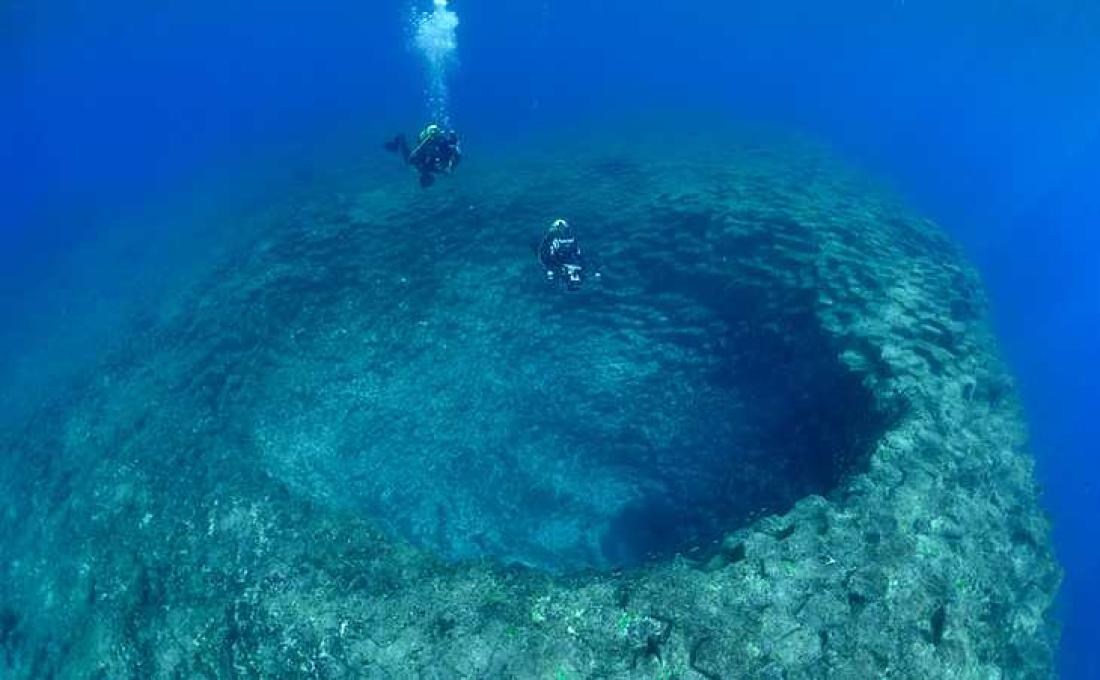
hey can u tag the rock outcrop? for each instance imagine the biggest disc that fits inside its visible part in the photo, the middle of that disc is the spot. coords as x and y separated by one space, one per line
775 441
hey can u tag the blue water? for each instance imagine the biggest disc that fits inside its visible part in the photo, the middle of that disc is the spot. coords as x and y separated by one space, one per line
985 114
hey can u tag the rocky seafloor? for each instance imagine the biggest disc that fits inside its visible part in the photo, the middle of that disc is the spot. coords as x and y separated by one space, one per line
774 441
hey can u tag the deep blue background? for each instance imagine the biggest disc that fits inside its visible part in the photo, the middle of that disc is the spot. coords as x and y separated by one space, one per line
986 114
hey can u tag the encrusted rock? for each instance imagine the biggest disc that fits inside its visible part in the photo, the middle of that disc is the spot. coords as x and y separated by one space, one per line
221 506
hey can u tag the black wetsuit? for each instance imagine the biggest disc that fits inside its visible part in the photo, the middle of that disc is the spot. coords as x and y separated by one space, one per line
565 263
438 153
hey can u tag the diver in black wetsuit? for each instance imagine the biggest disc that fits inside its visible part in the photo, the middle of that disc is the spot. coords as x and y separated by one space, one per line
437 152
561 255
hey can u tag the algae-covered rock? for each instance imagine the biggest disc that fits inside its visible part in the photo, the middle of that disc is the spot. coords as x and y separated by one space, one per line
774 441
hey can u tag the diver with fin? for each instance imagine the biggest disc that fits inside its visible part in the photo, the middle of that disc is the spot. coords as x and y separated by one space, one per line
437 152
561 256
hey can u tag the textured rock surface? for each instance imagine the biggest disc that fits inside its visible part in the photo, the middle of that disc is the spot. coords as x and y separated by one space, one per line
218 497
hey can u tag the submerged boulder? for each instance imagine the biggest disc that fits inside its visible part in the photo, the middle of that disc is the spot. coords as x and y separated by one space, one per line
774 440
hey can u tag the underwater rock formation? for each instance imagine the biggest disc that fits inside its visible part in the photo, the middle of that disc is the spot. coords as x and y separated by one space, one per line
775 441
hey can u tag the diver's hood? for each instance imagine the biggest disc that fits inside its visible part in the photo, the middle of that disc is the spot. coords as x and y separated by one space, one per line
428 132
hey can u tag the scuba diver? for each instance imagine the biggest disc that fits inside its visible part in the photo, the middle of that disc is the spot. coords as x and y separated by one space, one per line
437 152
560 254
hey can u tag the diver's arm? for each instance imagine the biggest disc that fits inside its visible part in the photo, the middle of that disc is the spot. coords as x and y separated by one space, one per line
414 155
544 252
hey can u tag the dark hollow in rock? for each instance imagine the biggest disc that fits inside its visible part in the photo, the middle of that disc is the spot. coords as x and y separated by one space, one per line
487 414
